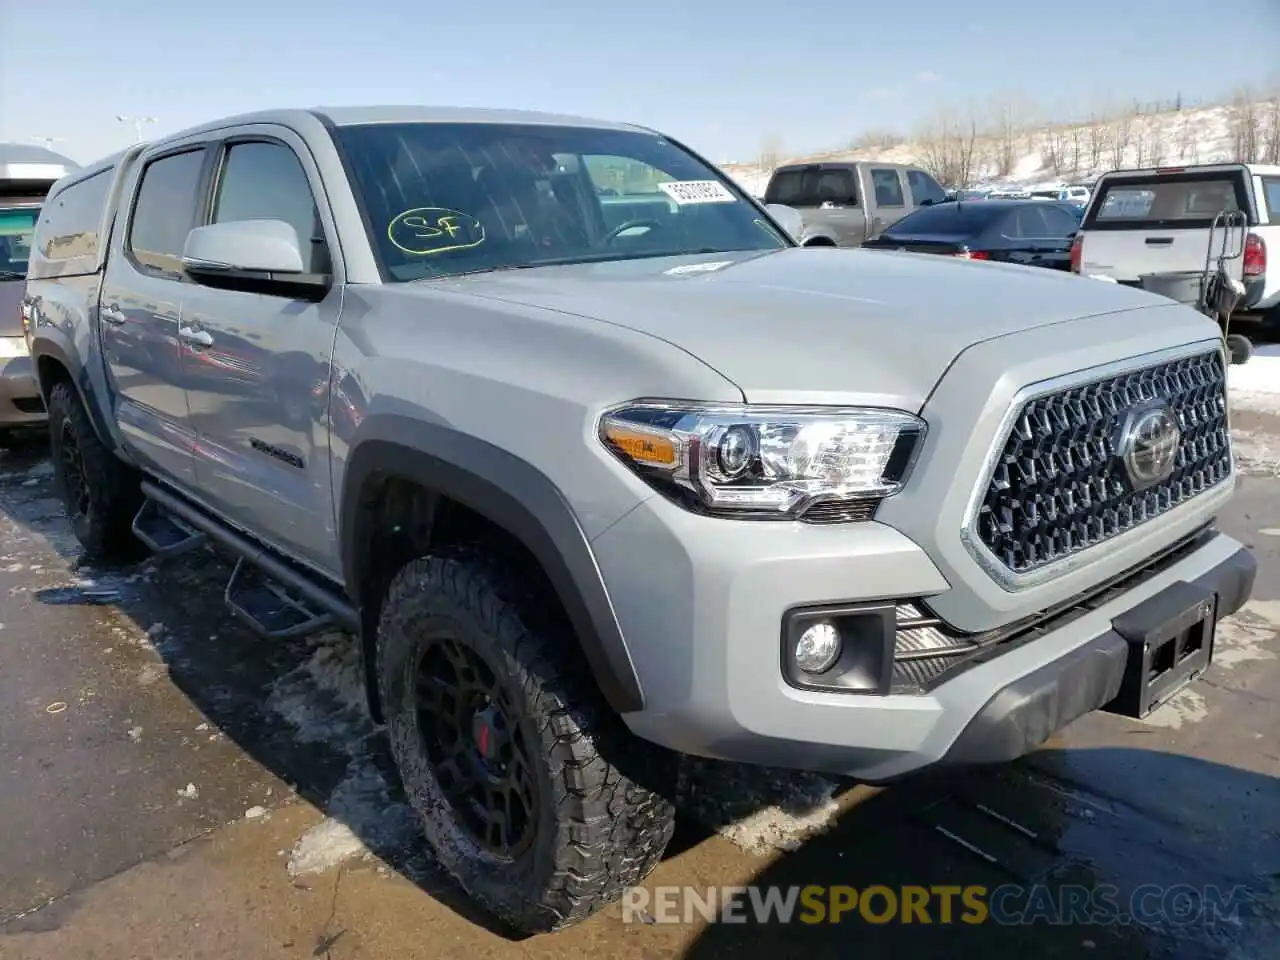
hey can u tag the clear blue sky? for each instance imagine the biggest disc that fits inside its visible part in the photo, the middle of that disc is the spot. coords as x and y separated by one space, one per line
720 75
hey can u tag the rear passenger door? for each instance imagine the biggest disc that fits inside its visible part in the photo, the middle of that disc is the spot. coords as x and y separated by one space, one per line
890 198
839 208
141 307
260 363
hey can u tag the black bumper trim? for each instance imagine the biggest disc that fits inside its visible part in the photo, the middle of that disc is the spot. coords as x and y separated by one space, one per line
1027 712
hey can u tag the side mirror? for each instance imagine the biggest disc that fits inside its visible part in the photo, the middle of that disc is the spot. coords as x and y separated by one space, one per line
254 256
788 218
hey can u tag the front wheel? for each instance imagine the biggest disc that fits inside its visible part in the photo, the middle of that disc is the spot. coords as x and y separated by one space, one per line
100 492
507 753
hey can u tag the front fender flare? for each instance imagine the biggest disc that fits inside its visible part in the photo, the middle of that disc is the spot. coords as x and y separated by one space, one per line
509 492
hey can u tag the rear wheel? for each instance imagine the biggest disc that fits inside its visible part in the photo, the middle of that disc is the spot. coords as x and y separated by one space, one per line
100 492
507 752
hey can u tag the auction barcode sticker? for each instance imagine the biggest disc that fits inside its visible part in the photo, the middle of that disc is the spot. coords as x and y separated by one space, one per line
697 191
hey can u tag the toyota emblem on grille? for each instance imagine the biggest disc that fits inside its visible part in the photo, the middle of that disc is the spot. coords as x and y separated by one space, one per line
1148 444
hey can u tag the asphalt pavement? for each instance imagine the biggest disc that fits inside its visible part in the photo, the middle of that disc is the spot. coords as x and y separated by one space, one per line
172 786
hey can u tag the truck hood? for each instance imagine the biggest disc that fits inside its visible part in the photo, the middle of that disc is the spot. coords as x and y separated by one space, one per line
815 325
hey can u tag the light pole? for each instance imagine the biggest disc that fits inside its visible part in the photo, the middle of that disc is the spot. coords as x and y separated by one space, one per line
137 124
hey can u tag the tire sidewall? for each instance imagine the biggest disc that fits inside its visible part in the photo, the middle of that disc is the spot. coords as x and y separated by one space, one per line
505 885
62 421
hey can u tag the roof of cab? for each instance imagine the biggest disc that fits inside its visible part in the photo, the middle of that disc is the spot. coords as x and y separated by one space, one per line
353 115
348 116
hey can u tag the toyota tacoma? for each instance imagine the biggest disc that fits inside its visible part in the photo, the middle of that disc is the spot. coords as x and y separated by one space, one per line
602 468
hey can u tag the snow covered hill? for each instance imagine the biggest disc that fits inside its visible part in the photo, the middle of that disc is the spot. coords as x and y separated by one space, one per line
1070 153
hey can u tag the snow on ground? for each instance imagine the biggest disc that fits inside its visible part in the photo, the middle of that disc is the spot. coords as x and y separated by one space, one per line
1256 385
1199 135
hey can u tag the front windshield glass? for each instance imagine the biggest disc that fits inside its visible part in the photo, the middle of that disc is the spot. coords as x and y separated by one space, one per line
16 226
444 199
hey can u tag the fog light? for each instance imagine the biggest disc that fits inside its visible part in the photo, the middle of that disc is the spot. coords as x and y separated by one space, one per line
818 648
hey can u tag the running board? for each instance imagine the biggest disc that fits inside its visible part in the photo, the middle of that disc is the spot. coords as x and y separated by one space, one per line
269 608
276 597
164 534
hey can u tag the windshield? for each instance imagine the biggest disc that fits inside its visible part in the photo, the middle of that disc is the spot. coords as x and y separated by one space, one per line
16 226
444 199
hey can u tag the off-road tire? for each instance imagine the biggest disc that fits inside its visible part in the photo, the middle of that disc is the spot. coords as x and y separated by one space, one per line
103 518
598 829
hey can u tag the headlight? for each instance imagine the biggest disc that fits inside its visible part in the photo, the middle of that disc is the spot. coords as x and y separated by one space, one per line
11 347
759 461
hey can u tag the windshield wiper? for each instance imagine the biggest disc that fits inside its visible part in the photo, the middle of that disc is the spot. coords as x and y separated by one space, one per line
468 273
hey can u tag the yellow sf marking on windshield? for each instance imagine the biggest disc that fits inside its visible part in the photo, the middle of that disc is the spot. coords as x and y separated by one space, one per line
426 231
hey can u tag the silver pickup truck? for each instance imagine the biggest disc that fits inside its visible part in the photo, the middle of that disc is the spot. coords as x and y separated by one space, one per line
597 484
843 203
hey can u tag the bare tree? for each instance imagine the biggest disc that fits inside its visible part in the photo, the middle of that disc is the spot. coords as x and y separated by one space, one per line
948 147
1097 135
1121 137
1245 125
876 140
1156 145
770 152
1271 136
1076 141
1188 144
1055 146
1009 117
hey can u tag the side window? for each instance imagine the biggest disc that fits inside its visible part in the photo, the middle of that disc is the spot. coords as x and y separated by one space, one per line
265 181
69 223
1271 193
1024 222
888 187
788 187
1058 223
924 188
837 186
165 212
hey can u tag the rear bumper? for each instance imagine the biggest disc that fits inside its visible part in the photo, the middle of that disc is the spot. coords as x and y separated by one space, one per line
1025 713
20 400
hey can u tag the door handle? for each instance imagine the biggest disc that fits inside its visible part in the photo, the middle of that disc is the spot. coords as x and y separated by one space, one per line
112 314
199 337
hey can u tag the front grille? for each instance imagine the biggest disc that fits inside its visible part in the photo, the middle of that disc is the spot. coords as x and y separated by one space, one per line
1058 486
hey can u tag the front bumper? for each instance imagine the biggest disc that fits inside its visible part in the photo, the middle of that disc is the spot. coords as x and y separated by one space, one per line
1026 712
702 628
20 400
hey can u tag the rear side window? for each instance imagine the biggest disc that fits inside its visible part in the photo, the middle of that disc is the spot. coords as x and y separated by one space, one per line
1039 221
813 186
948 220
787 186
888 187
164 212
1175 201
924 189
70 221
837 186
1271 192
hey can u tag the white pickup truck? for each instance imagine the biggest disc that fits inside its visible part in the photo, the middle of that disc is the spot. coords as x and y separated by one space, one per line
1158 220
